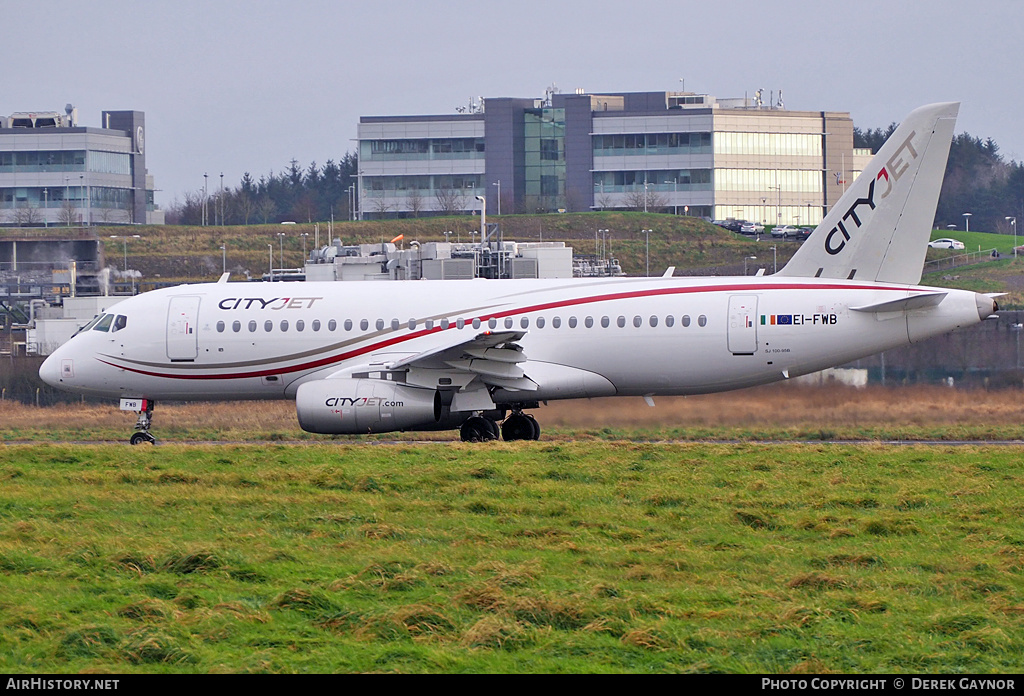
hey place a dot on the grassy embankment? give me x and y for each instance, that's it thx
(532, 557)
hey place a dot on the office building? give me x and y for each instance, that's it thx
(676, 152)
(54, 172)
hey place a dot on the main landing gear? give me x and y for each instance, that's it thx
(518, 426)
(145, 420)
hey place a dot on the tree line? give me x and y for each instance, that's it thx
(978, 181)
(310, 194)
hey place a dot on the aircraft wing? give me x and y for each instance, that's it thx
(491, 358)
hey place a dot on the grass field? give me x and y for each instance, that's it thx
(522, 557)
(579, 553)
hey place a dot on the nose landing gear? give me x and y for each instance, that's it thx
(145, 409)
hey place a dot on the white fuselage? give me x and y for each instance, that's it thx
(633, 336)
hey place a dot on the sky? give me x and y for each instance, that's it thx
(233, 86)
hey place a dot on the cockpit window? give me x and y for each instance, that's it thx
(120, 322)
(104, 323)
(92, 322)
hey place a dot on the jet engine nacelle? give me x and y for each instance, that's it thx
(357, 406)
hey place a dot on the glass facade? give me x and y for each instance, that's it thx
(768, 144)
(425, 184)
(652, 144)
(57, 196)
(544, 160)
(65, 161)
(422, 149)
(657, 180)
(768, 180)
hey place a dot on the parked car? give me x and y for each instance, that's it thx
(784, 231)
(731, 224)
(751, 228)
(946, 243)
(802, 233)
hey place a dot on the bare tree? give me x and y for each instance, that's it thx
(380, 205)
(414, 201)
(265, 208)
(645, 200)
(26, 216)
(450, 200)
(246, 206)
(604, 200)
(68, 214)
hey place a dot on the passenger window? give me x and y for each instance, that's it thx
(380, 324)
(637, 321)
(686, 320)
(220, 327)
(670, 321)
(316, 324)
(236, 326)
(332, 325)
(120, 322)
(556, 322)
(284, 325)
(104, 323)
(492, 323)
(445, 323)
(460, 322)
(572, 322)
(252, 326)
(621, 322)
(605, 322)
(524, 322)
(589, 322)
(430, 324)
(412, 324)
(508, 322)
(540, 322)
(363, 324)
(476, 323)
(300, 325)
(395, 325)
(702, 320)
(654, 321)
(268, 326)
(348, 324)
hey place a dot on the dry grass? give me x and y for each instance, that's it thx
(773, 407)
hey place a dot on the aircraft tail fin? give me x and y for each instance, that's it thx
(879, 229)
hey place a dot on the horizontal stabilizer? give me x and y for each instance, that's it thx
(904, 304)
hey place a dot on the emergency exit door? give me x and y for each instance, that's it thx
(182, 334)
(742, 324)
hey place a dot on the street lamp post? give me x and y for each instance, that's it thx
(967, 222)
(224, 258)
(647, 245)
(280, 244)
(124, 239)
(745, 263)
(1013, 221)
(498, 184)
(206, 199)
(775, 260)
(271, 248)
(483, 216)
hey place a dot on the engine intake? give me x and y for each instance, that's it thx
(358, 406)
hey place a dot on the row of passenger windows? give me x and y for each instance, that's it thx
(429, 324)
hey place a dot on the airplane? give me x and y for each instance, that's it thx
(477, 354)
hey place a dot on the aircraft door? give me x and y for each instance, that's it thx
(742, 329)
(182, 324)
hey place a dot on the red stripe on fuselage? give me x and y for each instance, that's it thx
(323, 362)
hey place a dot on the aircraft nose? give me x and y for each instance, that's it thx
(49, 371)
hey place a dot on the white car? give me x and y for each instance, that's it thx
(946, 243)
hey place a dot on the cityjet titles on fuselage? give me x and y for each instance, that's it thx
(273, 304)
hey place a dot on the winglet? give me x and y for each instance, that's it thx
(879, 230)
